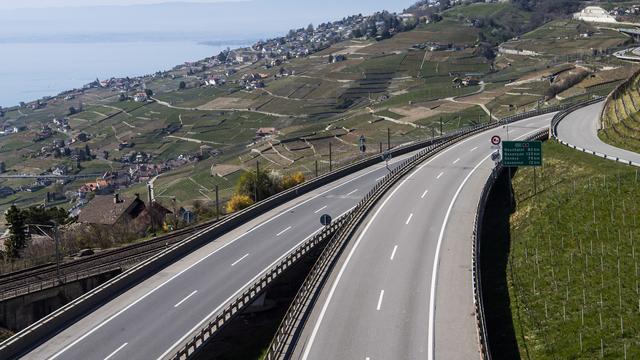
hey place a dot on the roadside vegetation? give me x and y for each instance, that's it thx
(573, 275)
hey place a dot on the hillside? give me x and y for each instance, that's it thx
(414, 84)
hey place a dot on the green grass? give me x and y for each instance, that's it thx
(573, 258)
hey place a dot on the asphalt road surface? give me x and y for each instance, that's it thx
(403, 287)
(580, 128)
(150, 319)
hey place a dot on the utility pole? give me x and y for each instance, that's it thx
(381, 147)
(316, 167)
(441, 133)
(55, 240)
(330, 158)
(257, 180)
(388, 139)
(217, 204)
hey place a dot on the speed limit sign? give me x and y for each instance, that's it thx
(496, 140)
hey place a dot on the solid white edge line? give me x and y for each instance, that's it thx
(380, 300)
(186, 298)
(115, 351)
(316, 327)
(283, 231)
(436, 262)
(409, 219)
(161, 357)
(424, 194)
(109, 319)
(237, 261)
(393, 253)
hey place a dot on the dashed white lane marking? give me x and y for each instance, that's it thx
(440, 175)
(237, 261)
(113, 353)
(283, 231)
(186, 298)
(455, 162)
(474, 149)
(351, 193)
(393, 253)
(380, 300)
(424, 194)
(322, 208)
(409, 219)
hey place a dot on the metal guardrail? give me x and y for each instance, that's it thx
(481, 323)
(285, 338)
(192, 344)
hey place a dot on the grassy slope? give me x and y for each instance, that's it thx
(565, 269)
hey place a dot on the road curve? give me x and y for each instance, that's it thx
(580, 128)
(149, 319)
(403, 287)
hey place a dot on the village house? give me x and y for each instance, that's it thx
(129, 213)
(140, 97)
(265, 132)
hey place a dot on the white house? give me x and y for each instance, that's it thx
(140, 97)
(594, 14)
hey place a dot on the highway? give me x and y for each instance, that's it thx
(149, 319)
(403, 287)
(580, 128)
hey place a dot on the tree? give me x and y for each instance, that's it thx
(72, 110)
(3, 167)
(183, 85)
(149, 92)
(17, 230)
(310, 28)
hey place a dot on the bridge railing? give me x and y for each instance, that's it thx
(476, 275)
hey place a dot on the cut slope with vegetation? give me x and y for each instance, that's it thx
(621, 117)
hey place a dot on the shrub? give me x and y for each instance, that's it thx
(238, 202)
(292, 180)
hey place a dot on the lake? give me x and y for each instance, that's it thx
(29, 71)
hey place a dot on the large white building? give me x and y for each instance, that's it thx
(594, 14)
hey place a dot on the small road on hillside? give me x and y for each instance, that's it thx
(164, 103)
(580, 128)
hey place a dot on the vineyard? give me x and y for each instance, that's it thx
(573, 272)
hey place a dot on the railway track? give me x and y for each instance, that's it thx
(45, 275)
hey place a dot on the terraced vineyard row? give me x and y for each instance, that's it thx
(621, 117)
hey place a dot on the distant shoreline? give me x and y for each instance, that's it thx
(72, 65)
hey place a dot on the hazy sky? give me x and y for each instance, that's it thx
(86, 20)
(13, 4)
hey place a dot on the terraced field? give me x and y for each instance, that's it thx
(621, 117)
